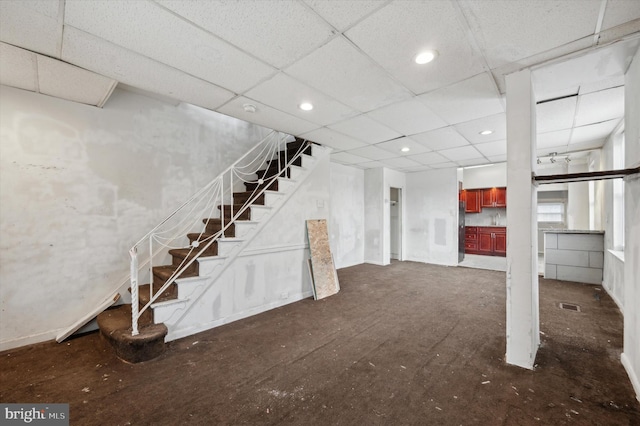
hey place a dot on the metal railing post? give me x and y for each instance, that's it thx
(134, 290)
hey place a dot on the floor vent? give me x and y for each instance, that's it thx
(570, 307)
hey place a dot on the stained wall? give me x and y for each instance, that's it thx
(79, 185)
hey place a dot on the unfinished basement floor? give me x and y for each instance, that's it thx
(405, 344)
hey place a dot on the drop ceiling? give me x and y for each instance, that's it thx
(353, 60)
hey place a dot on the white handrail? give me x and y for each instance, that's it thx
(268, 145)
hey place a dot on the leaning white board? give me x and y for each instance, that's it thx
(323, 270)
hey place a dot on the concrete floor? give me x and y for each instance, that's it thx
(403, 344)
(494, 263)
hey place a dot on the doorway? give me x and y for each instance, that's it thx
(395, 229)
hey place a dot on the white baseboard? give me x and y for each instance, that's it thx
(188, 331)
(633, 376)
(614, 297)
(30, 340)
(375, 262)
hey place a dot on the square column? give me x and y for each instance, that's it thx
(523, 317)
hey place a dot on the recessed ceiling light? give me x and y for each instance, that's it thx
(306, 106)
(249, 108)
(426, 57)
(405, 149)
(486, 132)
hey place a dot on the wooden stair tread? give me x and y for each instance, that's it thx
(170, 293)
(165, 271)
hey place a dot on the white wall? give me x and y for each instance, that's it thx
(346, 229)
(485, 177)
(631, 354)
(79, 185)
(432, 217)
(613, 272)
(271, 272)
(578, 200)
(392, 179)
(373, 216)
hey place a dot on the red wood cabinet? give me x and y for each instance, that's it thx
(494, 197)
(492, 241)
(471, 239)
(471, 198)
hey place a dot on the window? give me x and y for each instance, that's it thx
(618, 194)
(551, 212)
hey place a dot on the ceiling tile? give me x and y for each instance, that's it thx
(620, 11)
(342, 14)
(470, 99)
(429, 158)
(334, 139)
(97, 55)
(492, 148)
(401, 162)
(471, 129)
(63, 80)
(371, 165)
(169, 40)
(593, 131)
(395, 146)
(551, 139)
(560, 149)
(373, 153)
(420, 25)
(267, 116)
(286, 94)
(408, 117)
(293, 30)
(590, 68)
(32, 25)
(460, 153)
(18, 68)
(346, 158)
(555, 115)
(600, 106)
(473, 162)
(446, 165)
(341, 71)
(509, 30)
(497, 158)
(591, 144)
(365, 129)
(416, 169)
(607, 83)
(446, 137)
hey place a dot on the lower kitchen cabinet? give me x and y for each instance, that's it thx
(492, 241)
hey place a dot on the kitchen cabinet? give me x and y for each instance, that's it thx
(494, 197)
(471, 239)
(471, 197)
(492, 241)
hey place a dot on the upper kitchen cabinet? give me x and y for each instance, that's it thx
(494, 197)
(471, 197)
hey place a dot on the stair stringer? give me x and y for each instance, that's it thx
(214, 297)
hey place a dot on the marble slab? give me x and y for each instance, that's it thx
(323, 270)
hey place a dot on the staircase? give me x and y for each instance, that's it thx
(138, 331)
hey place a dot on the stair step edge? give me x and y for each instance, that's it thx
(231, 240)
(168, 303)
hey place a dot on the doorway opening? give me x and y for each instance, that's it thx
(395, 229)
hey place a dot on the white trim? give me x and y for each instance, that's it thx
(30, 340)
(633, 377)
(274, 249)
(614, 297)
(375, 262)
(185, 332)
(617, 253)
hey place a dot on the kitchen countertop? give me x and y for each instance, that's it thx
(570, 231)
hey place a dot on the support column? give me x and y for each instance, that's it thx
(523, 322)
